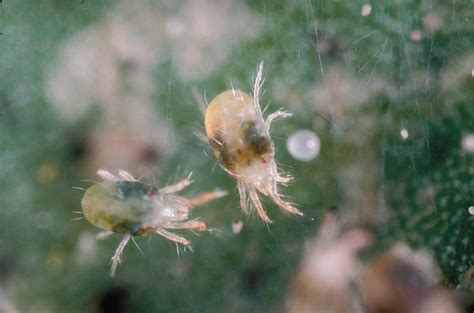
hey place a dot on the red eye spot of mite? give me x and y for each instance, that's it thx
(153, 194)
(264, 161)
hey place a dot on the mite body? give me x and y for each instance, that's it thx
(126, 205)
(241, 141)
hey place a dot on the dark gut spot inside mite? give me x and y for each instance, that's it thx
(255, 145)
(127, 227)
(226, 157)
(135, 189)
(253, 138)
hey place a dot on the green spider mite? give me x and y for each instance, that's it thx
(123, 204)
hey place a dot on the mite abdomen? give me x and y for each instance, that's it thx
(106, 206)
(235, 130)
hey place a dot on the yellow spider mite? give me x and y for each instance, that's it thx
(241, 141)
(123, 204)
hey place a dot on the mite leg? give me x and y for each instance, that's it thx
(200, 226)
(283, 179)
(206, 197)
(278, 178)
(104, 234)
(243, 196)
(126, 175)
(200, 100)
(274, 116)
(176, 187)
(106, 175)
(286, 206)
(117, 258)
(282, 203)
(173, 237)
(257, 86)
(258, 205)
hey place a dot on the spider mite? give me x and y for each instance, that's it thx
(123, 204)
(240, 137)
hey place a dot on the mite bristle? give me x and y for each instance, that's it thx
(200, 100)
(215, 231)
(79, 188)
(89, 181)
(138, 247)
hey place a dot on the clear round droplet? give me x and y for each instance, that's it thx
(467, 143)
(404, 134)
(366, 10)
(303, 145)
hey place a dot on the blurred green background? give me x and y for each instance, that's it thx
(388, 88)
